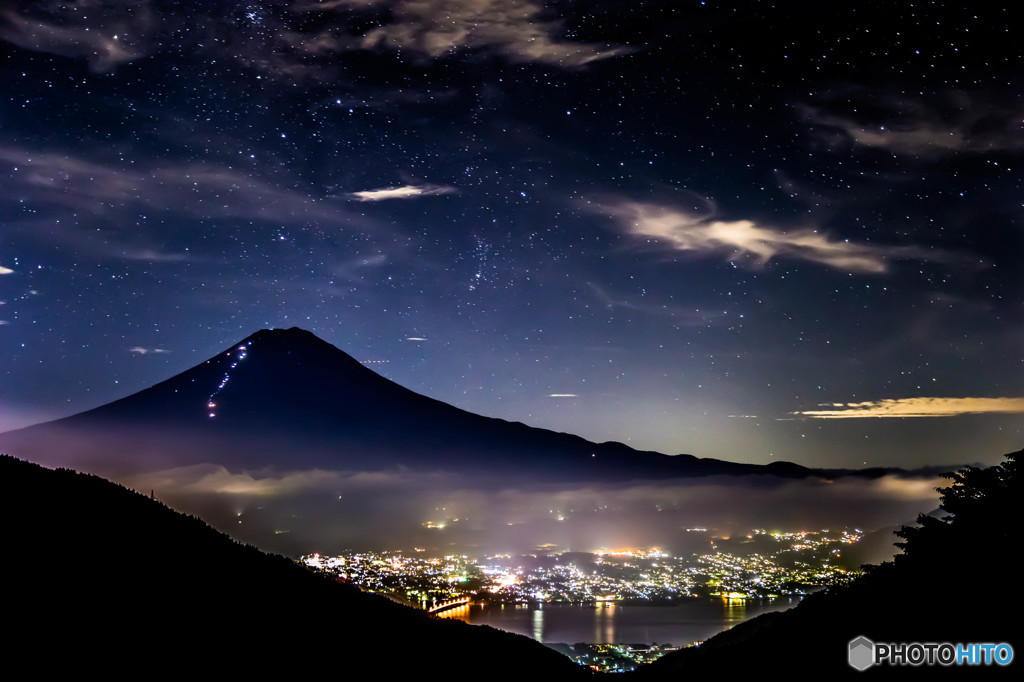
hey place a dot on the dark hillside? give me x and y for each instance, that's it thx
(957, 581)
(98, 577)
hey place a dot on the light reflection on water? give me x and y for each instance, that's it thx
(608, 623)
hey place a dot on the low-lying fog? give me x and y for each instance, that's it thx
(329, 511)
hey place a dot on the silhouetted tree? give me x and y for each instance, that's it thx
(980, 511)
(951, 584)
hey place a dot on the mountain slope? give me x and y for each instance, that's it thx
(285, 398)
(955, 582)
(98, 577)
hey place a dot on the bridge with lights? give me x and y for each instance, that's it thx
(448, 605)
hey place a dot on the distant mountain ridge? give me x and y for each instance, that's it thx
(284, 398)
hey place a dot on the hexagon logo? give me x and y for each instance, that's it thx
(862, 653)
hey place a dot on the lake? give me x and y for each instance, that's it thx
(608, 623)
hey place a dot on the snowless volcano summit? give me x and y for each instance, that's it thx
(284, 399)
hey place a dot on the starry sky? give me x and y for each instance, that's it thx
(754, 231)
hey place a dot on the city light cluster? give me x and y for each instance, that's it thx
(777, 564)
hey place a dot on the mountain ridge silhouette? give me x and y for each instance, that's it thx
(284, 398)
(111, 581)
(953, 582)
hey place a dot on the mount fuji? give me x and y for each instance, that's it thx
(285, 399)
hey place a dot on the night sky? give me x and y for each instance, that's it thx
(739, 230)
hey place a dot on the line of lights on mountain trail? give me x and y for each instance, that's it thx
(211, 404)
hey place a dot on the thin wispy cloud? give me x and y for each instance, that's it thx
(278, 41)
(145, 351)
(434, 28)
(680, 314)
(916, 407)
(192, 188)
(324, 5)
(747, 242)
(359, 270)
(106, 34)
(404, 192)
(154, 256)
(953, 122)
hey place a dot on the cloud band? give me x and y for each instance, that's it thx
(405, 192)
(918, 407)
(745, 239)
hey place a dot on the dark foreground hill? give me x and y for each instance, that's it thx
(285, 399)
(958, 581)
(99, 578)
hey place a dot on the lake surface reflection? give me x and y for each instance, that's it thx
(608, 623)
